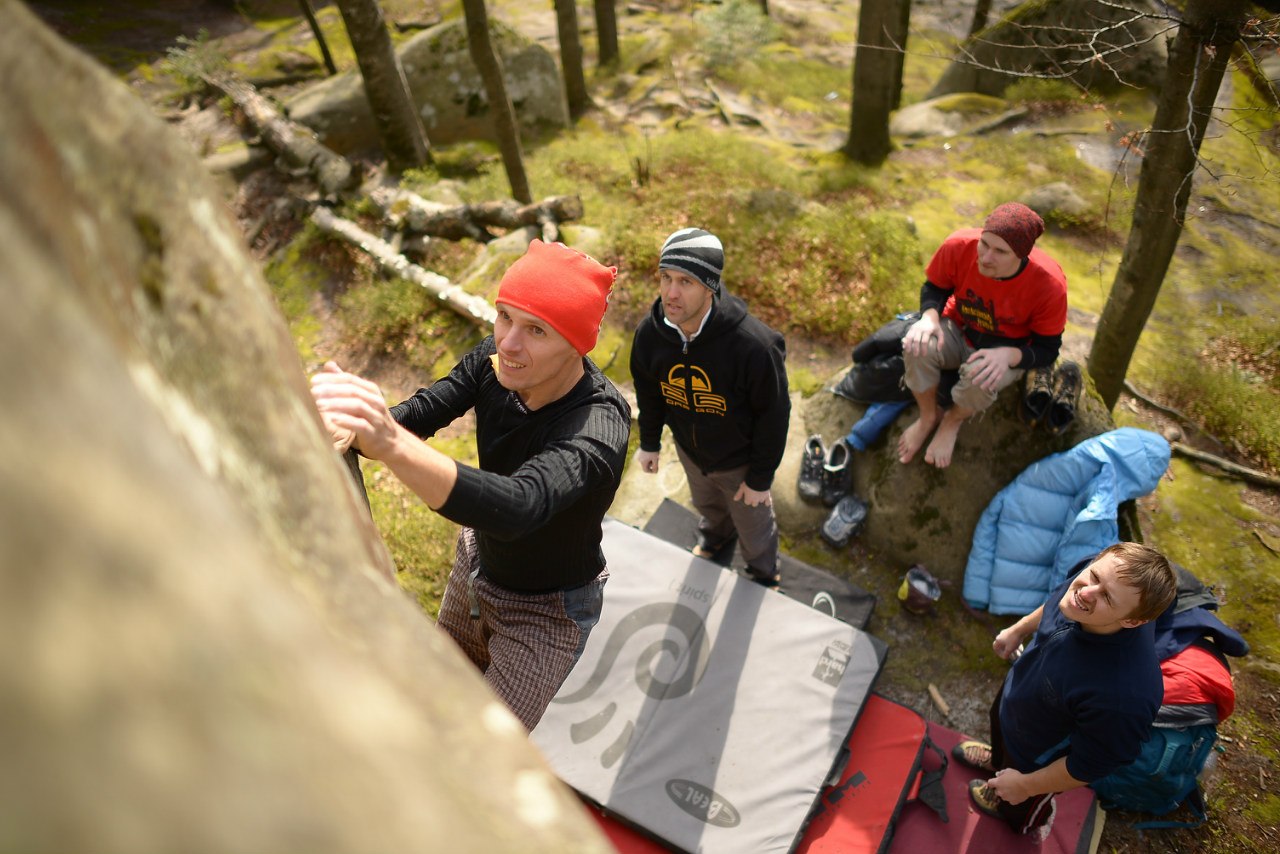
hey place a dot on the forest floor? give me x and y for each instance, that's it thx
(1241, 787)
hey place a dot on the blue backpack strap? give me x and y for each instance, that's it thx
(1193, 802)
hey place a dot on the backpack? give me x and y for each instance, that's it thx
(877, 370)
(1164, 776)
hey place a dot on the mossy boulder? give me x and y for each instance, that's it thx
(447, 89)
(918, 513)
(1098, 45)
(947, 115)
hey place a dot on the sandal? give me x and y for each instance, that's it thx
(761, 577)
(710, 549)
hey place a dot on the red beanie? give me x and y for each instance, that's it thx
(1017, 224)
(567, 289)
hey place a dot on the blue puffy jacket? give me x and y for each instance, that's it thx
(1059, 511)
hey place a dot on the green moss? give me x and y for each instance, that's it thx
(420, 541)
(297, 281)
(803, 381)
(971, 104)
(1200, 520)
(924, 515)
(1266, 810)
(783, 76)
(1035, 90)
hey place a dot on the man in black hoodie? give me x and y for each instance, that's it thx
(716, 376)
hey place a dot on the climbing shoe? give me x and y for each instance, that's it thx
(1037, 395)
(975, 754)
(1066, 397)
(837, 472)
(844, 521)
(984, 799)
(815, 456)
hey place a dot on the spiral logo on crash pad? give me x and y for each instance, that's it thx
(689, 647)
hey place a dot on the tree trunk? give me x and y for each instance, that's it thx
(606, 32)
(575, 82)
(900, 54)
(403, 138)
(473, 308)
(319, 35)
(297, 146)
(877, 78)
(764, 7)
(415, 215)
(504, 118)
(981, 11)
(1197, 60)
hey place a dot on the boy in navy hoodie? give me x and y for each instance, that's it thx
(1079, 702)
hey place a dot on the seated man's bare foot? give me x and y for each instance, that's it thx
(943, 444)
(913, 438)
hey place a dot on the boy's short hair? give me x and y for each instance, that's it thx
(1145, 569)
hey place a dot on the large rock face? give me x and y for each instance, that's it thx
(446, 87)
(1095, 44)
(201, 648)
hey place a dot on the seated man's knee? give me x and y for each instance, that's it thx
(969, 396)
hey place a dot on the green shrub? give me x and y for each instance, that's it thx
(732, 31)
(191, 60)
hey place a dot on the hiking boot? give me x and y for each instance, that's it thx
(845, 521)
(1037, 396)
(810, 484)
(984, 799)
(975, 754)
(837, 472)
(1066, 397)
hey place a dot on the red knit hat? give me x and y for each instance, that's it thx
(567, 289)
(1017, 224)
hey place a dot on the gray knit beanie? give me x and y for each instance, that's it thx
(696, 252)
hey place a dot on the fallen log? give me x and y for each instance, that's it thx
(473, 308)
(298, 147)
(1251, 475)
(413, 214)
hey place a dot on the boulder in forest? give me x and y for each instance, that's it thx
(1098, 45)
(918, 513)
(446, 87)
(948, 115)
(202, 648)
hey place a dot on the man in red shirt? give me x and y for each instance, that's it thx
(993, 306)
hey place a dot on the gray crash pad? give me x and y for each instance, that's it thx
(706, 710)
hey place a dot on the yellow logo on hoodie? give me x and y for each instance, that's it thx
(686, 380)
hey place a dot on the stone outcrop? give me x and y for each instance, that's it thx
(1095, 44)
(917, 513)
(201, 647)
(446, 87)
